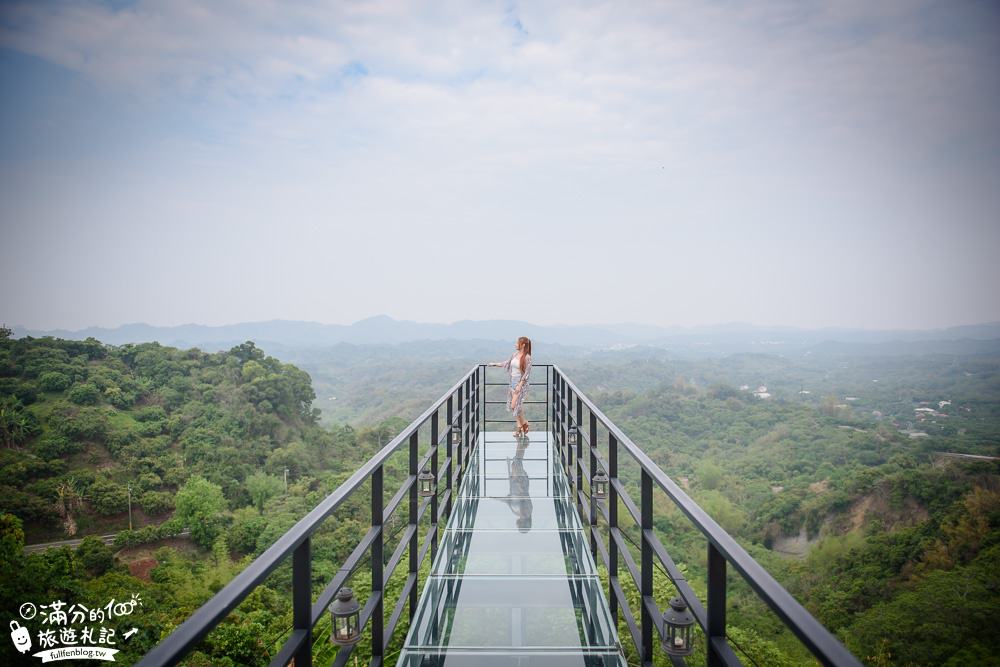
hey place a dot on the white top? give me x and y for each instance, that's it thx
(515, 364)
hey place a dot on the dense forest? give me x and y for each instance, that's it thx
(834, 481)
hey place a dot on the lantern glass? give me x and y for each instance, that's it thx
(426, 480)
(599, 485)
(456, 436)
(677, 625)
(346, 617)
(572, 435)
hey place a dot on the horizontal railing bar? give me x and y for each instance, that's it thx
(443, 504)
(400, 549)
(522, 402)
(398, 552)
(811, 632)
(443, 468)
(677, 578)
(343, 574)
(615, 533)
(627, 499)
(425, 461)
(657, 616)
(626, 555)
(288, 649)
(620, 594)
(411, 580)
(344, 653)
(626, 611)
(398, 497)
(725, 652)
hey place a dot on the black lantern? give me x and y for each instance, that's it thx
(426, 480)
(456, 435)
(572, 436)
(346, 618)
(599, 485)
(677, 624)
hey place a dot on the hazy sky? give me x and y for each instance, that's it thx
(675, 163)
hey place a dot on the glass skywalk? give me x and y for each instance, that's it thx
(513, 582)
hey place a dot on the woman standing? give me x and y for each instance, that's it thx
(519, 368)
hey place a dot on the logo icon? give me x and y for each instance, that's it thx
(20, 636)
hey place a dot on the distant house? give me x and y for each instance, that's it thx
(762, 392)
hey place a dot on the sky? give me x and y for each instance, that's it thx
(672, 163)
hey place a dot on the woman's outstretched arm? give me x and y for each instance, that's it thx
(501, 364)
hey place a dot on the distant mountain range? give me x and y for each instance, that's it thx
(382, 329)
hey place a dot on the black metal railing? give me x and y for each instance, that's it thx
(568, 404)
(463, 408)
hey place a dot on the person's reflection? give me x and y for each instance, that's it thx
(518, 499)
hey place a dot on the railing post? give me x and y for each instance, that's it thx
(716, 603)
(378, 585)
(646, 567)
(467, 431)
(593, 469)
(302, 599)
(449, 455)
(554, 403)
(548, 397)
(414, 537)
(434, 471)
(568, 450)
(458, 452)
(612, 522)
(579, 452)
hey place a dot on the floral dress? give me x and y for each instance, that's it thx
(518, 380)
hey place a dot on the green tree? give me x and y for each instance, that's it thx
(201, 506)
(95, 555)
(263, 487)
(85, 393)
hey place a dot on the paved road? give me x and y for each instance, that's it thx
(107, 539)
(973, 457)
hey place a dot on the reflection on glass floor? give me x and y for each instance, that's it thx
(514, 582)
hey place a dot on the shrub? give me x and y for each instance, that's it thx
(53, 381)
(156, 502)
(85, 393)
(108, 497)
(95, 555)
(55, 446)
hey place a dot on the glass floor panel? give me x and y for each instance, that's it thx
(512, 612)
(487, 658)
(505, 467)
(515, 513)
(535, 552)
(514, 582)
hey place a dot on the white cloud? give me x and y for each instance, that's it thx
(785, 125)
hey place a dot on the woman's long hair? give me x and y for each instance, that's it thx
(526, 350)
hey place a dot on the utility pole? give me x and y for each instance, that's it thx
(286, 479)
(130, 505)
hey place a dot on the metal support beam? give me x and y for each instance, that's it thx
(378, 585)
(302, 600)
(716, 604)
(646, 570)
(414, 536)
